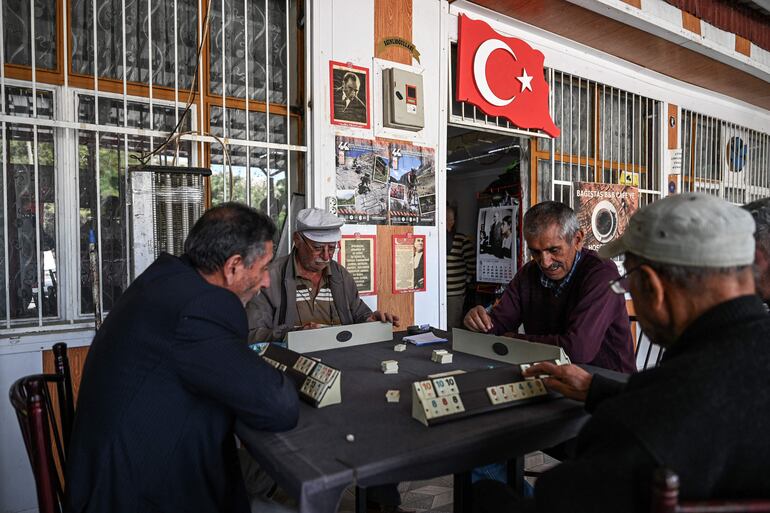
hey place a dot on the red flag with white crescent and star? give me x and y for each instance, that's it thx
(502, 76)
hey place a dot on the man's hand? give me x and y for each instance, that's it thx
(384, 317)
(313, 325)
(477, 319)
(569, 380)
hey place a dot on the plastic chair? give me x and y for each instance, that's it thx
(46, 438)
(665, 499)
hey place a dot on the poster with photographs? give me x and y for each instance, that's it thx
(358, 255)
(603, 210)
(495, 246)
(412, 168)
(408, 263)
(349, 94)
(362, 181)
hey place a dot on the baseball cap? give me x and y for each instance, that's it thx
(319, 225)
(692, 229)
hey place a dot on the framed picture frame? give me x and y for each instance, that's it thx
(350, 98)
(358, 254)
(408, 263)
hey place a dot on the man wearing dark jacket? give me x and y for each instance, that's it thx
(170, 371)
(703, 411)
(561, 296)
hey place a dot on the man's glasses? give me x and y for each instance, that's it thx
(620, 285)
(319, 248)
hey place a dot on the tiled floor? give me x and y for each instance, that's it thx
(435, 495)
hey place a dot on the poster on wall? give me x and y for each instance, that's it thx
(603, 210)
(412, 168)
(495, 245)
(408, 263)
(362, 181)
(383, 182)
(358, 255)
(349, 94)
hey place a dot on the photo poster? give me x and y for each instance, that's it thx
(412, 168)
(358, 255)
(385, 182)
(408, 263)
(603, 210)
(495, 244)
(349, 86)
(362, 180)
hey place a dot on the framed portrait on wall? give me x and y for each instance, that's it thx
(358, 255)
(350, 98)
(408, 263)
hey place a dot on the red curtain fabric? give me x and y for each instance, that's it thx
(731, 17)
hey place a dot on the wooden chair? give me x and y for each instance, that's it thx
(665, 499)
(46, 433)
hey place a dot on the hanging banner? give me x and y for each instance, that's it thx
(408, 263)
(358, 255)
(603, 211)
(502, 76)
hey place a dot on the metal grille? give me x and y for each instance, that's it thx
(724, 159)
(94, 85)
(607, 136)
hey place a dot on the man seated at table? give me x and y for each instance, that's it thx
(760, 211)
(561, 296)
(169, 372)
(308, 289)
(703, 412)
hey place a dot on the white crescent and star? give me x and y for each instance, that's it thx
(480, 72)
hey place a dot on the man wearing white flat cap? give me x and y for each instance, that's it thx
(703, 412)
(308, 288)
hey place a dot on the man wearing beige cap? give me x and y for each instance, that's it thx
(704, 412)
(308, 289)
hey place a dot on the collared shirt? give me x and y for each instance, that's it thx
(315, 305)
(558, 286)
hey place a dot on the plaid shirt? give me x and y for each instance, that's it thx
(559, 286)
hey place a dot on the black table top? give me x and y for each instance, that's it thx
(315, 463)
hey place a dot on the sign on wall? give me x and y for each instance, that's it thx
(349, 94)
(603, 211)
(381, 182)
(358, 254)
(502, 76)
(408, 263)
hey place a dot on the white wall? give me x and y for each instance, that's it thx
(348, 36)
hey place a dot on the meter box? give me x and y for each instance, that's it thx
(403, 100)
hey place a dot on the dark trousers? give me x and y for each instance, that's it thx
(495, 497)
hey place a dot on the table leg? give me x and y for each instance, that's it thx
(516, 475)
(360, 499)
(462, 493)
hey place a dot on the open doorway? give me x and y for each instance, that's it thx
(487, 173)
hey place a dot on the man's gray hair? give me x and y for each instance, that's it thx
(541, 216)
(760, 211)
(685, 277)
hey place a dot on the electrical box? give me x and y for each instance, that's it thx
(403, 100)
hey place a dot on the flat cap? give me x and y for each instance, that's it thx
(319, 225)
(692, 230)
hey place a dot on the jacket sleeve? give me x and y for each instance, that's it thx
(613, 472)
(212, 359)
(601, 389)
(588, 322)
(260, 313)
(506, 315)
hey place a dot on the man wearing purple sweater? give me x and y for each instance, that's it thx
(561, 296)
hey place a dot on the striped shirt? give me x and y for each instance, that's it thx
(315, 306)
(460, 265)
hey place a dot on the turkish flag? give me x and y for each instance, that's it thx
(502, 76)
